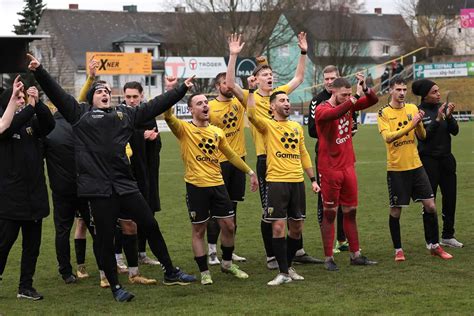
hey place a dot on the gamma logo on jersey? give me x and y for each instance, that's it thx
(207, 146)
(289, 140)
(230, 120)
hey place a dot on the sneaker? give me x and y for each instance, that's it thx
(237, 258)
(293, 275)
(121, 267)
(272, 264)
(399, 255)
(362, 261)
(69, 279)
(148, 261)
(121, 295)
(438, 251)
(235, 271)
(178, 277)
(30, 294)
(307, 259)
(451, 242)
(281, 278)
(330, 265)
(213, 261)
(206, 278)
(104, 283)
(138, 279)
(82, 272)
(342, 246)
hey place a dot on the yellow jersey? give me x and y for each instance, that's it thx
(229, 116)
(286, 151)
(262, 105)
(402, 153)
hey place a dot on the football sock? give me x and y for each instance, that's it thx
(340, 225)
(350, 228)
(202, 263)
(266, 229)
(80, 248)
(327, 232)
(130, 248)
(280, 251)
(292, 246)
(430, 223)
(394, 224)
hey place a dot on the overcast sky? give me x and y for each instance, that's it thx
(9, 8)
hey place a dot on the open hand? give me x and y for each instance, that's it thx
(302, 43)
(235, 46)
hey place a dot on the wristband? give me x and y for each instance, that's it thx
(357, 96)
(250, 173)
(313, 179)
(303, 52)
(366, 89)
(252, 90)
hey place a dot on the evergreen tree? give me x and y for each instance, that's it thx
(31, 17)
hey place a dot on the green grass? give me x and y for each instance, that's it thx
(421, 285)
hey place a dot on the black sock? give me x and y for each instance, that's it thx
(213, 230)
(202, 263)
(430, 223)
(340, 225)
(394, 224)
(227, 252)
(118, 240)
(141, 241)
(234, 207)
(279, 249)
(293, 246)
(267, 231)
(300, 244)
(80, 248)
(130, 248)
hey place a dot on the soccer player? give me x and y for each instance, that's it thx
(287, 158)
(227, 113)
(336, 164)
(104, 174)
(398, 122)
(206, 195)
(435, 152)
(23, 195)
(264, 75)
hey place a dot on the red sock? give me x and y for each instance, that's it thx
(350, 228)
(327, 232)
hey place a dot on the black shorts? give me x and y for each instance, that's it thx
(286, 200)
(405, 184)
(206, 202)
(234, 180)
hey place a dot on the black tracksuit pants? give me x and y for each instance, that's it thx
(105, 212)
(442, 172)
(31, 232)
(65, 207)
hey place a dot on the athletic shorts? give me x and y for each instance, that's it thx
(286, 200)
(234, 180)
(405, 184)
(338, 187)
(206, 202)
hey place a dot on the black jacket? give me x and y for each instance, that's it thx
(23, 194)
(438, 134)
(100, 137)
(59, 152)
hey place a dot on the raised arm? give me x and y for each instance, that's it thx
(66, 103)
(93, 65)
(7, 116)
(259, 124)
(44, 121)
(324, 113)
(175, 124)
(453, 127)
(300, 68)
(368, 96)
(235, 47)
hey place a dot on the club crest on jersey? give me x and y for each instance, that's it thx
(216, 137)
(270, 210)
(234, 106)
(29, 130)
(120, 115)
(410, 117)
(193, 215)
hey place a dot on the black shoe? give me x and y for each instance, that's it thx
(304, 259)
(69, 279)
(122, 295)
(330, 265)
(30, 294)
(362, 261)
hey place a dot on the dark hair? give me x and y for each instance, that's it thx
(341, 83)
(275, 94)
(133, 85)
(397, 80)
(191, 97)
(219, 77)
(260, 68)
(330, 68)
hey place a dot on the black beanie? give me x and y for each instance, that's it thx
(95, 86)
(422, 87)
(5, 98)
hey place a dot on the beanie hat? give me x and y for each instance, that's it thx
(95, 86)
(422, 87)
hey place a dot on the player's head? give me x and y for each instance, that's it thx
(428, 90)
(330, 73)
(341, 90)
(198, 106)
(264, 74)
(398, 90)
(5, 97)
(99, 94)
(133, 93)
(280, 105)
(221, 86)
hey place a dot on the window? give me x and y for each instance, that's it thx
(151, 51)
(150, 81)
(354, 49)
(138, 49)
(161, 51)
(284, 50)
(385, 50)
(116, 81)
